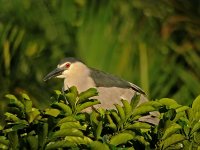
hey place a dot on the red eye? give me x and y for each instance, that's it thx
(67, 65)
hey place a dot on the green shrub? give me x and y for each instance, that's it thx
(64, 125)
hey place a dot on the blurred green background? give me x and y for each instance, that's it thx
(154, 44)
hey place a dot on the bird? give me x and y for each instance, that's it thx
(111, 89)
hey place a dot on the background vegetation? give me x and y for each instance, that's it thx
(154, 44)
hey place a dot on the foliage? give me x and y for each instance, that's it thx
(132, 39)
(65, 125)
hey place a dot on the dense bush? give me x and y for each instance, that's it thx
(64, 125)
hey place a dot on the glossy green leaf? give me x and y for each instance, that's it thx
(111, 123)
(96, 145)
(73, 90)
(196, 108)
(120, 111)
(94, 116)
(83, 96)
(138, 125)
(141, 139)
(4, 141)
(70, 125)
(116, 117)
(142, 110)
(121, 138)
(71, 98)
(169, 102)
(34, 114)
(14, 101)
(27, 103)
(52, 112)
(85, 105)
(127, 108)
(13, 140)
(172, 129)
(59, 144)
(99, 130)
(66, 119)
(79, 140)
(182, 108)
(42, 132)
(173, 139)
(196, 127)
(67, 132)
(154, 104)
(12, 117)
(135, 100)
(33, 142)
(63, 107)
(15, 128)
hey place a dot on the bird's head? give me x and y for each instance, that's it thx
(68, 66)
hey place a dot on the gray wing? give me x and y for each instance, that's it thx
(103, 79)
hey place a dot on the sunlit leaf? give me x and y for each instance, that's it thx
(121, 138)
(96, 145)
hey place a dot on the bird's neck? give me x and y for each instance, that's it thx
(79, 77)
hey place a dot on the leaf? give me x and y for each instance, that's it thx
(120, 111)
(27, 103)
(111, 123)
(33, 115)
(83, 96)
(138, 125)
(33, 142)
(96, 145)
(127, 108)
(94, 116)
(73, 90)
(135, 100)
(42, 131)
(196, 127)
(121, 138)
(67, 132)
(63, 107)
(99, 130)
(196, 108)
(66, 119)
(182, 108)
(79, 140)
(70, 125)
(57, 94)
(71, 98)
(12, 117)
(116, 117)
(173, 139)
(172, 129)
(4, 141)
(52, 112)
(59, 144)
(14, 141)
(170, 114)
(25, 96)
(141, 140)
(143, 109)
(85, 105)
(15, 102)
(154, 104)
(170, 103)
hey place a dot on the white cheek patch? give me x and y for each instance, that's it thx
(60, 76)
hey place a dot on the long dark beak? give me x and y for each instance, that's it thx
(54, 73)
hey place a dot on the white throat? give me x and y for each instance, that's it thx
(78, 75)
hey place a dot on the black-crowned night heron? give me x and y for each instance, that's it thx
(111, 89)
